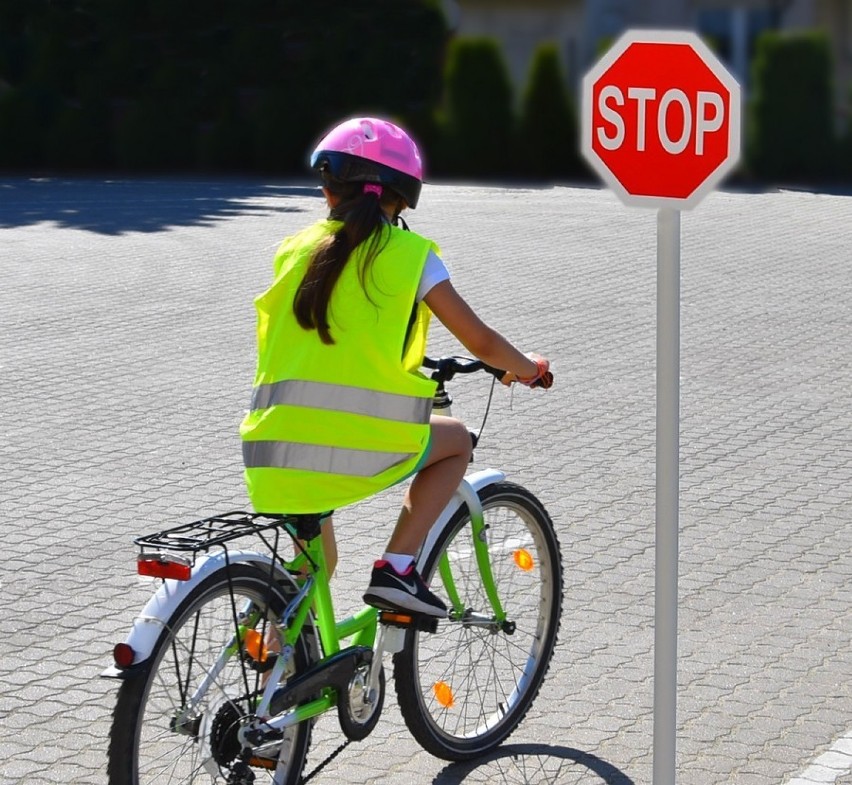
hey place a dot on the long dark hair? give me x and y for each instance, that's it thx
(363, 221)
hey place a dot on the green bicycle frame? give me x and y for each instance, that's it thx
(479, 537)
(362, 627)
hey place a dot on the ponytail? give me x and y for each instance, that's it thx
(360, 210)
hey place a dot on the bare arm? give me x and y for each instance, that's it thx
(476, 336)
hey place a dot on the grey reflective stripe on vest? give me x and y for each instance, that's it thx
(318, 458)
(342, 398)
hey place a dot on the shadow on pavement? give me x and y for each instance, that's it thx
(531, 764)
(117, 206)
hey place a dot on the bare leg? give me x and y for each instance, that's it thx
(434, 484)
(329, 545)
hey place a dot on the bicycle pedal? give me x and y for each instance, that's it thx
(418, 621)
(262, 763)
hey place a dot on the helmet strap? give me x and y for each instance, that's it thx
(398, 219)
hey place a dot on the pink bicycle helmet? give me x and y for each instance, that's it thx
(371, 150)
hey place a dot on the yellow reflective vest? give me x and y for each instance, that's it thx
(331, 424)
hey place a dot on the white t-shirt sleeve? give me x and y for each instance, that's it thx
(434, 271)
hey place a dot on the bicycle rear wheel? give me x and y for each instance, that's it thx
(464, 689)
(157, 737)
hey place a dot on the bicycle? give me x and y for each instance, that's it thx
(238, 652)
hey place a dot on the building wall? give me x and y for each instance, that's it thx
(520, 26)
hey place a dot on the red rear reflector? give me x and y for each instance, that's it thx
(164, 565)
(123, 655)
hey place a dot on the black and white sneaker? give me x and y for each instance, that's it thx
(392, 591)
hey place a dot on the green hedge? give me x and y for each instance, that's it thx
(845, 147)
(549, 129)
(478, 127)
(215, 84)
(789, 129)
(212, 84)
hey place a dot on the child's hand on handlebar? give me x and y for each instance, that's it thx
(542, 378)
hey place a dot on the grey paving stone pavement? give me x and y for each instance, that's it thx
(126, 358)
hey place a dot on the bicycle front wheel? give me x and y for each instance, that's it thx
(178, 720)
(464, 690)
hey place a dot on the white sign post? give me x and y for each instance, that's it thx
(661, 126)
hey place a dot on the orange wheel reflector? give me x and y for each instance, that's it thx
(523, 559)
(444, 694)
(254, 647)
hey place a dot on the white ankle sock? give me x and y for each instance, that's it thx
(399, 561)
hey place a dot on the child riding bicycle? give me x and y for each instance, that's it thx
(340, 410)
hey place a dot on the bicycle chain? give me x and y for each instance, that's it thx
(325, 763)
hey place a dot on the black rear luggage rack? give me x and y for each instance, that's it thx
(216, 530)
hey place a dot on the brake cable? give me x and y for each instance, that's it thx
(487, 408)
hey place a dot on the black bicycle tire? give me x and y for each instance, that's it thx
(410, 693)
(134, 691)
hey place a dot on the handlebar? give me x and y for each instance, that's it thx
(445, 368)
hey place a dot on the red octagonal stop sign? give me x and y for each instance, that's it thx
(661, 119)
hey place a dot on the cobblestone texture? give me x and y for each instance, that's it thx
(126, 358)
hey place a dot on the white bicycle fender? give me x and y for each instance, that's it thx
(166, 600)
(467, 494)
